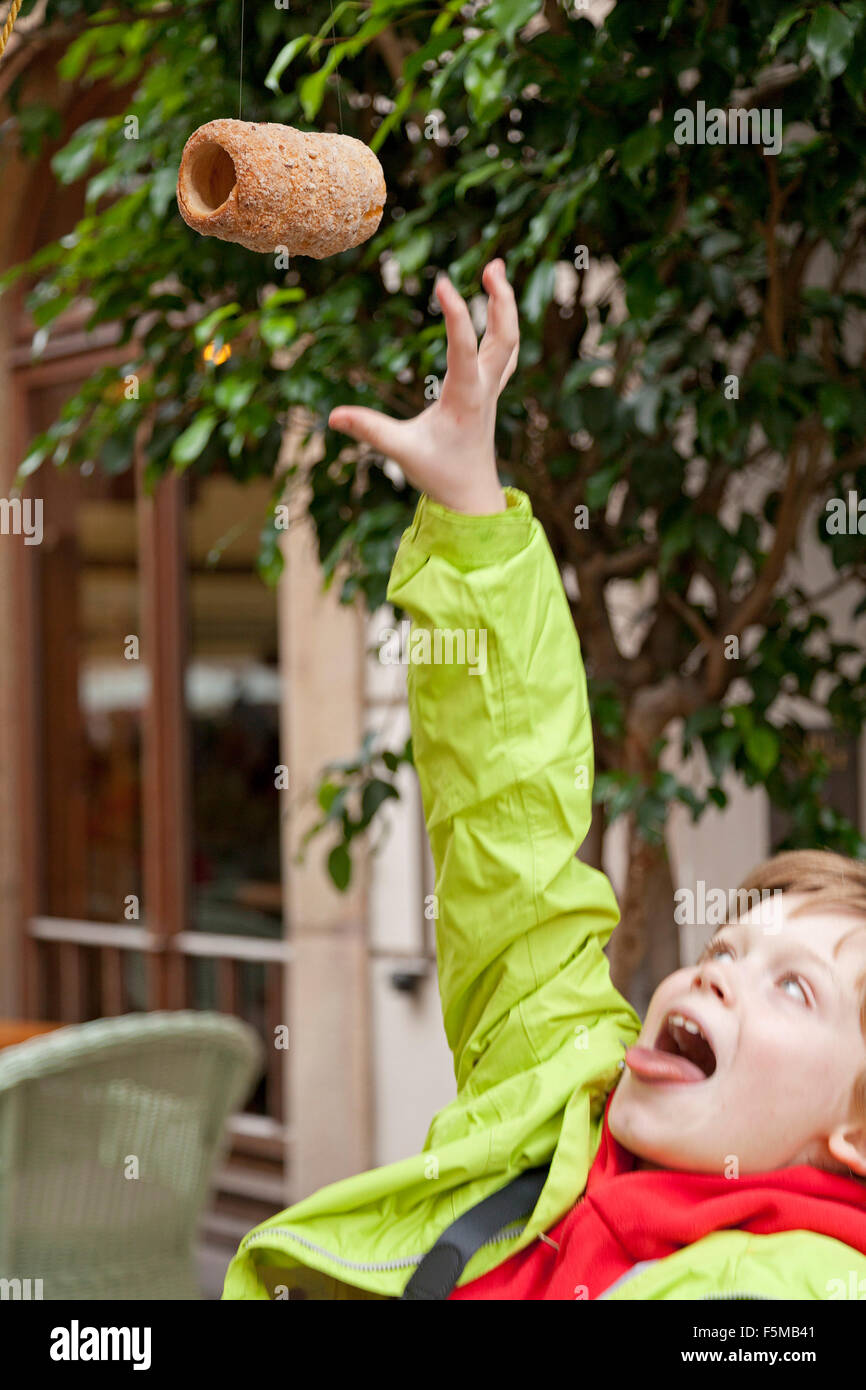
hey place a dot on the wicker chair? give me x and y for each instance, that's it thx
(109, 1136)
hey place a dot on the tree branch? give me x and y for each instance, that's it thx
(627, 563)
(752, 605)
(858, 573)
(706, 637)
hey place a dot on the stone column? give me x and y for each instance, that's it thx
(10, 647)
(329, 1102)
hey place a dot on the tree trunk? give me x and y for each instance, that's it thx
(645, 946)
(591, 849)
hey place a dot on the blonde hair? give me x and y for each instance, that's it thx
(829, 881)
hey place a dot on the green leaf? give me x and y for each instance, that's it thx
(311, 92)
(510, 15)
(676, 538)
(688, 798)
(282, 60)
(830, 41)
(289, 296)
(579, 373)
(38, 452)
(538, 292)
(644, 291)
(117, 453)
(414, 253)
(204, 329)
(43, 313)
(483, 173)
(73, 161)
(720, 751)
(618, 791)
(484, 80)
(762, 749)
(278, 330)
(163, 188)
(374, 794)
(743, 717)
(598, 485)
(270, 562)
(340, 867)
(232, 392)
(401, 105)
(190, 444)
(781, 27)
(639, 149)
(74, 59)
(325, 795)
(834, 403)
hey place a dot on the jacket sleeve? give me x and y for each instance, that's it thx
(503, 749)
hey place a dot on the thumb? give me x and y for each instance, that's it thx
(368, 427)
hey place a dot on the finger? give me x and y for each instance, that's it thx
(369, 427)
(462, 358)
(509, 370)
(502, 338)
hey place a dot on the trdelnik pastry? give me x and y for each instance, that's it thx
(267, 186)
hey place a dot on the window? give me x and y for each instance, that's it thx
(154, 862)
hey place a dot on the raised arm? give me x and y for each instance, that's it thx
(502, 738)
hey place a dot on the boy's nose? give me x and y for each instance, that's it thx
(710, 976)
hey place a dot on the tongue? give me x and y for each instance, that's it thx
(651, 1065)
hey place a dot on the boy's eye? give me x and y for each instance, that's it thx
(798, 990)
(718, 949)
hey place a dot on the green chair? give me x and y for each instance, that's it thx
(109, 1136)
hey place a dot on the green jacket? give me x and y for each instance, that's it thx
(503, 749)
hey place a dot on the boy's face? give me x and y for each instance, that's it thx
(777, 1000)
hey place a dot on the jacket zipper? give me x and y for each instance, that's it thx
(354, 1264)
(761, 1297)
(415, 1259)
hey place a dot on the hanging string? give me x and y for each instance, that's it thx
(336, 69)
(13, 15)
(241, 74)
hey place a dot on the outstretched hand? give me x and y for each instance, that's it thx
(448, 450)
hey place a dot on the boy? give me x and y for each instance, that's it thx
(718, 1151)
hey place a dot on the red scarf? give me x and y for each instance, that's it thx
(626, 1215)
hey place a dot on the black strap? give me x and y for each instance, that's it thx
(438, 1271)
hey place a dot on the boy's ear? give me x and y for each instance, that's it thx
(847, 1144)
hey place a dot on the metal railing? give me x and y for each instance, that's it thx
(82, 972)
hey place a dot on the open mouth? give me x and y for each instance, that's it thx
(682, 1037)
(682, 1053)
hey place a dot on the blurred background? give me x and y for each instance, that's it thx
(189, 685)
